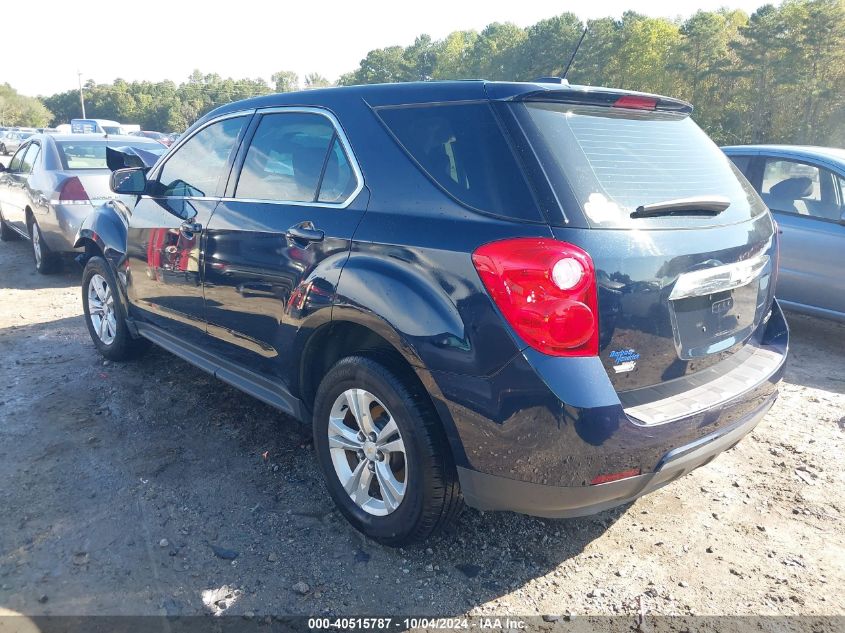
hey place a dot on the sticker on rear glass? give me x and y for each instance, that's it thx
(601, 210)
(625, 360)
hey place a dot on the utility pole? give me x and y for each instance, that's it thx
(81, 98)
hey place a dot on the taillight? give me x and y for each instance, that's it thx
(73, 192)
(775, 269)
(634, 102)
(546, 290)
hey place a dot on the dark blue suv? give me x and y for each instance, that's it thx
(529, 296)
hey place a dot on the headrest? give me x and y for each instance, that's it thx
(793, 188)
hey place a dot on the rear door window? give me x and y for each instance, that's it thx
(295, 157)
(800, 188)
(609, 161)
(28, 162)
(743, 164)
(462, 148)
(198, 167)
(15, 165)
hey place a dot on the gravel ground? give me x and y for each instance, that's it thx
(151, 488)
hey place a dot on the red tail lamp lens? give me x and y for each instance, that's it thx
(546, 290)
(73, 192)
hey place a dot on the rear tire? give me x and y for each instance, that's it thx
(104, 314)
(46, 261)
(408, 460)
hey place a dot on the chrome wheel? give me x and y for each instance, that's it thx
(36, 245)
(101, 309)
(367, 452)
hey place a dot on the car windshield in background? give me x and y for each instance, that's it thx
(92, 154)
(613, 161)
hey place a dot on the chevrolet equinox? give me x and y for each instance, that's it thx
(534, 297)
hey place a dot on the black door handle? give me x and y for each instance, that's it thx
(305, 232)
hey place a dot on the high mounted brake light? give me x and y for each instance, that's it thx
(579, 96)
(634, 102)
(546, 290)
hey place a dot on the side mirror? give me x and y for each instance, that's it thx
(842, 217)
(129, 181)
(2, 167)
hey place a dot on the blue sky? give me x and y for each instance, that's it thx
(167, 39)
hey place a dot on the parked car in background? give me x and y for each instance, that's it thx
(805, 189)
(161, 137)
(52, 182)
(102, 126)
(11, 141)
(513, 292)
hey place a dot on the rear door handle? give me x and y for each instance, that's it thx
(305, 232)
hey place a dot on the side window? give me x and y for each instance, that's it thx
(461, 147)
(15, 165)
(841, 182)
(289, 157)
(29, 158)
(339, 179)
(800, 188)
(742, 163)
(196, 168)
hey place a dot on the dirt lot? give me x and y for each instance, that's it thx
(141, 489)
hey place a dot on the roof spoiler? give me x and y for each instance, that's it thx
(607, 99)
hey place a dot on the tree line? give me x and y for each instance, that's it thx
(777, 75)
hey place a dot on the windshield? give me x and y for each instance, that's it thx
(92, 154)
(612, 161)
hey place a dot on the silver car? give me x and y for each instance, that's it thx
(52, 182)
(805, 189)
(10, 141)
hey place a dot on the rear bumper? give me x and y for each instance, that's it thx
(535, 435)
(491, 492)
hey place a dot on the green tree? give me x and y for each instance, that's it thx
(548, 46)
(453, 55)
(495, 53)
(316, 80)
(285, 81)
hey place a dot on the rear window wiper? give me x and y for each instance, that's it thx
(694, 205)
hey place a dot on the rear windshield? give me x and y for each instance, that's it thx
(462, 148)
(92, 154)
(607, 162)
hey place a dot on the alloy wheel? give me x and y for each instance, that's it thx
(36, 245)
(101, 309)
(367, 452)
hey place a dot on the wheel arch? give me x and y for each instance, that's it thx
(358, 333)
(104, 229)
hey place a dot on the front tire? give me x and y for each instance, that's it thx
(383, 452)
(46, 261)
(104, 315)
